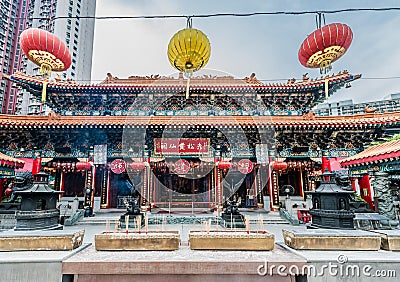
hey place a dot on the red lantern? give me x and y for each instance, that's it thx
(224, 165)
(280, 166)
(83, 166)
(325, 45)
(45, 50)
(8, 192)
(138, 165)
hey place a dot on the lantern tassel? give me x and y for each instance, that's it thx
(326, 87)
(187, 87)
(44, 93)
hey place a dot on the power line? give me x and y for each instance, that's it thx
(318, 12)
(380, 78)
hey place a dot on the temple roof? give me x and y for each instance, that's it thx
(374, 154)
(206, 81)
(351, 122)
(165, 93)
(10, 161)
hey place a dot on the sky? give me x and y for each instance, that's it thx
(266, 45)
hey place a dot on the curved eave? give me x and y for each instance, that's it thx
(277, 122)
(389, 151)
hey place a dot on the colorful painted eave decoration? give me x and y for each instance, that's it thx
(343, 122)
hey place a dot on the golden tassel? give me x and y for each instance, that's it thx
(44, 91)
(187, 88)
(326, 88)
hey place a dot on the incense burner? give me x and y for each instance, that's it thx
(138, 241)
(231, 240)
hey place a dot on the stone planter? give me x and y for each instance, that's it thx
(152, 241)
(231, 240)
(40, 241)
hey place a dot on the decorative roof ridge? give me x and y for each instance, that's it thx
(160, 81)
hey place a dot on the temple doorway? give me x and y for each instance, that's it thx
(172, 190)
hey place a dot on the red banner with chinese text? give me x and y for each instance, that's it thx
(183, 146)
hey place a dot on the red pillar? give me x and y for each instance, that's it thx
(269, 183)
(36, 165)
(108, 188)
(326, 164)
(365, 190)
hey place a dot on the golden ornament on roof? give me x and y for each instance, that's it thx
(189, 50)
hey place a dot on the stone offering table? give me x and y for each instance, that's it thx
(331, 239)
(40, 240)
(135, 241)
(231, 240)
(181, 265)
(390, 239)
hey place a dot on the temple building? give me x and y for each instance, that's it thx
(381, 163)
(225, 137)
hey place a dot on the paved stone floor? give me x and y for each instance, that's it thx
(86, 264)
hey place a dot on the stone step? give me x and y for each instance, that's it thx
(102, 220)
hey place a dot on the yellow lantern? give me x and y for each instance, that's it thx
(188, 51)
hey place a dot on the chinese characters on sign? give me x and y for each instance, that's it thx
(262, 153)
(118, 166)
(184, 146)
(100, 154)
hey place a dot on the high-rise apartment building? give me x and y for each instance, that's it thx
(12, 22)
(61, 17)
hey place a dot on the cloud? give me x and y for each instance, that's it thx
(266, 45)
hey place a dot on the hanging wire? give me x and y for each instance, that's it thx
(189, 22)
(213, 15)
(319, 17)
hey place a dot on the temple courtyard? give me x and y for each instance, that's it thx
(280, 264)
